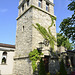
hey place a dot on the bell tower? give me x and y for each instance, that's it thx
(27, 37)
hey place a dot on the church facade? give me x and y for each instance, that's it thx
(14, 59)
(6, 59)
(27, 37)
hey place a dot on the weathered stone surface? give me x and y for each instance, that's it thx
(27, 37)
(54, 66)
(23, 67)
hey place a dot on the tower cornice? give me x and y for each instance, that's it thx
(36, 8)
(25, 1)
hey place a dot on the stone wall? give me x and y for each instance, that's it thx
(61, 49)
(54, 66)
(23, 44)
(23, 67)
(24, 35)
(44, 20)
(35, 3)
(27, 37)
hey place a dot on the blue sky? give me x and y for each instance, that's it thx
(9, 13)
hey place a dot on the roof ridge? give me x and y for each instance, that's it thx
(7, 45)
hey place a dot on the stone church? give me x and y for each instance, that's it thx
(15, 59)
(27, 37)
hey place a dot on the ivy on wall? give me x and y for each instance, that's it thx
(47, 34)
(34, 56)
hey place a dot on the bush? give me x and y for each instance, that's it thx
(42, 68)
(34, 56)
(62, 68)
(48, 73)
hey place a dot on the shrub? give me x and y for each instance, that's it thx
(48, 73)
(62, 68)
(42, 68)
(34, 56)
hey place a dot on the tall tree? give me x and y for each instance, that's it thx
(67, 26)
(63, 41)
(62, 68)
(42, 68)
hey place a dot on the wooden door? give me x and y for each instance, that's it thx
(46, 63)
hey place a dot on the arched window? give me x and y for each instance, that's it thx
(40, 3)
(27, 2)
(23, 7)
(4, 56)
(47, 7)
(22, 28)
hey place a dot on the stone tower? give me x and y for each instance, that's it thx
(27, 37)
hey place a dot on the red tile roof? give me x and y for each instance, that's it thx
(7, 45)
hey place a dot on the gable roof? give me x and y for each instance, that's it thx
(7, 45)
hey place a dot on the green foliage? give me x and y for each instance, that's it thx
(62, 68)
(67, 26)
(42, 68)
(34, 66)
(71, 6)
(47, 34)
(63, 41)
(34, 56)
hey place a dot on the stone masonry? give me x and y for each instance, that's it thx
(27, 37)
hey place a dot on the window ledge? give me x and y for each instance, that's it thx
(3, 64)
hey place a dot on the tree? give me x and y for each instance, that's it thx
(42, 68)
(63, 41)
(62, 68)
(67, 26)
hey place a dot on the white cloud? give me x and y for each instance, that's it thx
(3, 10)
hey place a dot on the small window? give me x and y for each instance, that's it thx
(23, 29)
(4, 56)
(40, 3)
(23, 7)
(47, 7)
(27, 2)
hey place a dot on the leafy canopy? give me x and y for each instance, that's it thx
(67, 26)
(63, 41)
(62, 68)
(42, 68)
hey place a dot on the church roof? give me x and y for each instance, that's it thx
(7, 45)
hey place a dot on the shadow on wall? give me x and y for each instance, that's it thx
(0, 72)
(54, 66)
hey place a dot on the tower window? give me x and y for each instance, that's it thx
(4, 56)
(40, 3)
(47, 7)
(23, 7)
(27, 2)
(23, 28)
